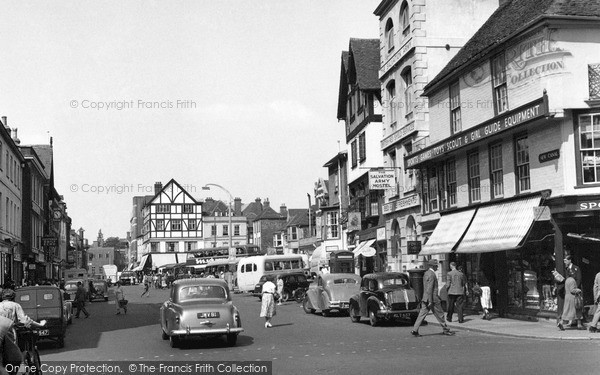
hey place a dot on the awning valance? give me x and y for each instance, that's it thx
(365, 249)
(499, 227)
(140, 266)
(448, 232)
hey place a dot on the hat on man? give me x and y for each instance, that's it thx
(432, 262)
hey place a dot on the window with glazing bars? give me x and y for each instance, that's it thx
(455, 116)
(589, 133)
(474, 176)
(451, 182)
(499, 83)
(433, 189)
(496, 172)
(362, 145)
(354, 154)
(522, 162)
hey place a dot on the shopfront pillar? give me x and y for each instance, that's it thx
(559, 252)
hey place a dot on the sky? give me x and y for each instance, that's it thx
(237, 93)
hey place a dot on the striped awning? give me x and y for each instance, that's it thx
(500, 227)
(448, 232)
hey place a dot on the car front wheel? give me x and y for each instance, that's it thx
(285, 296)
(306, 306)
(373, 317)
(174, 341)
(164, 335)
(354, 313)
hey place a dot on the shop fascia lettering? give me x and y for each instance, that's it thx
(526, 113)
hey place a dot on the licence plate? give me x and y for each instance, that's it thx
(402, 316)
(208, 315)
(43, 332)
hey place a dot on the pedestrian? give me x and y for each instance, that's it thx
(120, 300)
(11, 354)
(456, 282)
(267, 308)
(572, 270)
(80, 300)
(431, 300)
(597, 303)
(146, 286)
(486, 299)
(571, 310)
(279, 288)
(155, 281)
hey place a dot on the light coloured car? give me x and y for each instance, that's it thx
(199, 308)
(331, 292)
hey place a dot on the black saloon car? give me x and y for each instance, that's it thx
(291, 282)
(384, 296)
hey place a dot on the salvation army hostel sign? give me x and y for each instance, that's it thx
(528, 112)
(381, 180)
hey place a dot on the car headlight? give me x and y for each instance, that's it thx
(177, 320)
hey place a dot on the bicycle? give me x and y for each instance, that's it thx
(26, 340)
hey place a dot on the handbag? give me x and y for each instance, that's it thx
(123, 302)
(578, 302)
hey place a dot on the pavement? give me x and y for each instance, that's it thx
(542, 329)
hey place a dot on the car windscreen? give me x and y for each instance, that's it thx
(195, 292)
(344, 280)
(395, 281)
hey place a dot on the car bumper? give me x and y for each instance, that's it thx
(339, 305)
(204, 331)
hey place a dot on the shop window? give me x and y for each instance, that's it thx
(451, 182)
(496, 172)
(474, 176)
(499, 84)
(589, 135)
(522, 164)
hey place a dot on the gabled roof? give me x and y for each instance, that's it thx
(360, 66)
(508, 20)
(297, 217)
(45, 154)
(171, 183)
(269, 214)
(210, 206)
(252, 210)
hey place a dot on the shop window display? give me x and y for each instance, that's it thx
(530, 282)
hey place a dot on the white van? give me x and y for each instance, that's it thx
(250, 269)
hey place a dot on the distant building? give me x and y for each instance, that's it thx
(98, 256)
(267, 229)
(215, 222)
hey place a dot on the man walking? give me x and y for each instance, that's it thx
(80, 301)
(597, 302)
(456, 282)
(572, 270)
(431, 300)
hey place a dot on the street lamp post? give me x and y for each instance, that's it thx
(230, 229)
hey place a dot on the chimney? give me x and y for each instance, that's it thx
(5, 123)
(15, 137)
(267, 204)
(157, 187)
(237, 207)
(283, 211)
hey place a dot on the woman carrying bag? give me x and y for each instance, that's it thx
(573, 308)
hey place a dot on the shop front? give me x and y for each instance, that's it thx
(370, 253)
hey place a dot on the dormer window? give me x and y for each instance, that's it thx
(404, 21)
(389, 35)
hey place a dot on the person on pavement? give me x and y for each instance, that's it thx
(572, 270)
(570, 310)
(120, 299)
(80, 301)
(596, 317)
(267, 308)
(279, 288)
(146, 286)
(431, 300)
(456, 282)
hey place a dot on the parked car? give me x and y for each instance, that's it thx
(199, 308)
(384, 296)
(100, 290)
(331, 292)
(291, 282)
(128, 278)
(71, 287)
(45, 302)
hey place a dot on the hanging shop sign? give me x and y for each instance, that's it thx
(413, 247)
(381, 180)
(531, 111)
(354, 219)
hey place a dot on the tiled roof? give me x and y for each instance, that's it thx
(298, 217)
(45, 154)
(252, 210)
(269, 214)
(209, 207)
(506, 21)
(364, 59)
(360, 65)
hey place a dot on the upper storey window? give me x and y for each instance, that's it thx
(391, 94)
(499, 83)
(408, 93)
(404, 22)
(389, 35)
(455, 116)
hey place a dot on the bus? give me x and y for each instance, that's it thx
(250, 269)
(210, 254)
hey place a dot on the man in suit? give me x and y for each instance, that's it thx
(597, 302)
(431, 300)
(572, 270)
(455, 282)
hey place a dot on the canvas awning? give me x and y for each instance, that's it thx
(448, 232)
(140, 266)
(365, 249)
(500, 227)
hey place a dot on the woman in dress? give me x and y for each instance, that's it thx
(267, 308)
(279, 288)
(120, 296)
(486, 300)
(569, 310)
